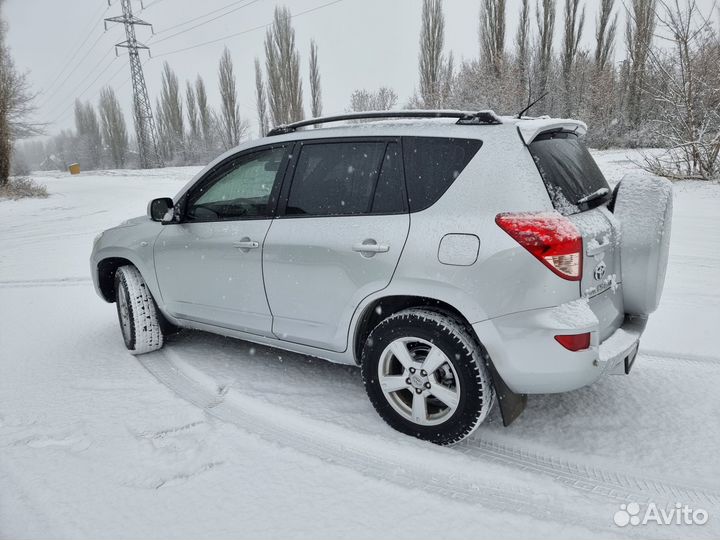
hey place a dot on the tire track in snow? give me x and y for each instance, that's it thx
(320, 439)
(682, 358)
(60, 282)
(614, 485)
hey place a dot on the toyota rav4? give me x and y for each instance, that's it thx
(459, 259)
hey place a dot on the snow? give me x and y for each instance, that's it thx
(573, 315)
(213, 437)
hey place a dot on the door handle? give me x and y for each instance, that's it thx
(370, 247)
(246, 245)
(598, 247)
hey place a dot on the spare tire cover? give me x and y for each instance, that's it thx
(643, 206)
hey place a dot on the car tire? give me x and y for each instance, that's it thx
(140, 320)
(442, 404)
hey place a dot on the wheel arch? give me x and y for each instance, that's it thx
(106, 270)
(511, 404)
(385, 306)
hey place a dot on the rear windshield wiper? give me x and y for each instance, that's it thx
(594, 195)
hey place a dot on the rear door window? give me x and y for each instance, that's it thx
(389, 197)
(347, 178)
(571, 176)
(431, 166)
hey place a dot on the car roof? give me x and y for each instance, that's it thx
(527, 127)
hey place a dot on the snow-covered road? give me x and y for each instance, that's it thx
(212, 437)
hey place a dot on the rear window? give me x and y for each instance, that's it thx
(335, 179)
(431, 166)
(572, 178)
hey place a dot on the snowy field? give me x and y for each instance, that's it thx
(217, 438)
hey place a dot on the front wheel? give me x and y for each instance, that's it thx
(426, 376)
(137, 313)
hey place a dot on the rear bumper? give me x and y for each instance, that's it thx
(523, 349)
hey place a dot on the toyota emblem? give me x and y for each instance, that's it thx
(599, 271)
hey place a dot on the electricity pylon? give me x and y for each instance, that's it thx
(144, 122)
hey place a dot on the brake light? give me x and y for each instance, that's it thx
(552, 238)
(576, 342)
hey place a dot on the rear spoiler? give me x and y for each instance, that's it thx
(530, 129)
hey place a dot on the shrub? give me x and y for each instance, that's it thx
(20, 187)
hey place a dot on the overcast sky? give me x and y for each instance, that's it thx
(362, 44)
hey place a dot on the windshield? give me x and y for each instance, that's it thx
(572, 178)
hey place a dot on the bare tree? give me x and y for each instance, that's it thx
(193, 120)
(605, 34)
(89, 135)
(171, 115)
(315, 91)
(232, 128)
(545, 17)
(260, 100)
(492, 34)
(436, 71)
(16, 106)
(522, 45)
(382, 99)
(282, 63)
(689, 93)
(204, 114)
(114, 129)
(164, 133)
(603, 103)
(574, 23)
(194, 135)
(638, 36)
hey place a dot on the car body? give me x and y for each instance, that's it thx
(293, 272)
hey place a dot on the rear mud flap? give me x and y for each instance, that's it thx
(511, 404)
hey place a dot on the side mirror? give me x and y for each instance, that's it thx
(162, 210)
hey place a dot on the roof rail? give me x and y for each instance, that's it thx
(464, 117)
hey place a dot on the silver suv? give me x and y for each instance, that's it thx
(460, 259)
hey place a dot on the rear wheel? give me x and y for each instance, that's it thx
(137, 313)
(426, 376)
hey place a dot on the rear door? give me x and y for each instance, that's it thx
(579, 191)
(337, 238)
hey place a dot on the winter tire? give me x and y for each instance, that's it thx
(426, 376)
(137, 313)
(643, 206)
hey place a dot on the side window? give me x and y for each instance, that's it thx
(239, 189)
(390, 195)
(431, 166)
(335, 178)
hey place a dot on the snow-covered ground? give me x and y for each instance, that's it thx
(212, 437)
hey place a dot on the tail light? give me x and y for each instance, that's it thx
(552, 238)
(576, 342)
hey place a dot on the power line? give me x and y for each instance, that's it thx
(97, 93)
(78, 96)
(202, 17)
(244, 31)
(85, 78)
(89, 31)
(69, 74)
(68, 109)
(204, 23)
(151, 4)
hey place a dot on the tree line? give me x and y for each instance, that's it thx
(663, 92)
